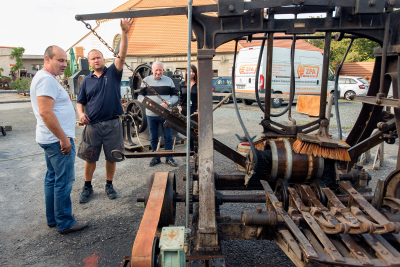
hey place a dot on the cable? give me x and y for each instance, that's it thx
(137, 134)
(256, 84)
(339, 68)
(253, 149)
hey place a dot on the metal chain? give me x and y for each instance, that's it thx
(174, 110)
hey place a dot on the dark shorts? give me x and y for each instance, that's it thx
(108, 134)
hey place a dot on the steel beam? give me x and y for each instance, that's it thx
(208, 236)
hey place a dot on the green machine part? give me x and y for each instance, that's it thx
(171, 247)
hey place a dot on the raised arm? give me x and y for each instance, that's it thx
(123, 46)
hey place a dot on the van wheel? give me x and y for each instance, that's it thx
(348, 94)
(276, 102)
(248, 102)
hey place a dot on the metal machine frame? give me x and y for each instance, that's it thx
(312, 221)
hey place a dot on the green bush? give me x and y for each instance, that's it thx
(22, 84)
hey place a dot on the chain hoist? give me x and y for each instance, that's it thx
(174, 110)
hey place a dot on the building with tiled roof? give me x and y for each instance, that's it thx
(164, 38)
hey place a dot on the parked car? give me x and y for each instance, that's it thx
(125, 89)
(222, 85)
(352, 86)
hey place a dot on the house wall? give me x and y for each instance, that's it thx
(29, 62)
(222, 63)
(6, 60)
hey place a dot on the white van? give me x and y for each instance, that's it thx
(308, 73)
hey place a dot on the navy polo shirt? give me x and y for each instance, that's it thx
(102, 95)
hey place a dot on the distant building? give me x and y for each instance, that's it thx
(6, 61)
(33, 63)
(358, 69)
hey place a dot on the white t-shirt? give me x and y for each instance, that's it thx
(44, 84)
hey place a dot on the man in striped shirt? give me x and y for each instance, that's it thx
(165, 87)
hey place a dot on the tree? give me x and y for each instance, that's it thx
(67, 72)
(362, 50)
(17, 54)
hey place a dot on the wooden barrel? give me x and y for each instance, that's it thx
(244, 149)
(292, 166)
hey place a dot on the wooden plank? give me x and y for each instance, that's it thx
(291, 243)
(304, 243)
(325, 241)
(143, 245)
(381, 250)
(314, 241)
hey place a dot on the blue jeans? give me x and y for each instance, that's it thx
(58, 184)
(153, 123)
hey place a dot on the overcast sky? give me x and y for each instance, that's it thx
(36, 24)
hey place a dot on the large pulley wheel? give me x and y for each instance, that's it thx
(138, 114)
(392, 185)
(281, 190)
(143, 71)
(155, 255)
(168, 210)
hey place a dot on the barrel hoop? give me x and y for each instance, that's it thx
(310, 167)
(289, 159)
(274, 152)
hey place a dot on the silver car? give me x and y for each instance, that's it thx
(352, 86)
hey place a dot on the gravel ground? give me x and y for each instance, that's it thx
(25, 238)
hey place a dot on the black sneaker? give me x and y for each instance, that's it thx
(171, 162)
(86, 193)
(110, 191)
(154, 162)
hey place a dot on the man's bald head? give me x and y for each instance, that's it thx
(50, 51)
(55, 60)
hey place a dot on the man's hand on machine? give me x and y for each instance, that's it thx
(163, 105)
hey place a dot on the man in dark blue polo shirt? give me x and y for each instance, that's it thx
(100, 93)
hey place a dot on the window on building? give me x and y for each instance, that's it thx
(36, 67)
(215, 73)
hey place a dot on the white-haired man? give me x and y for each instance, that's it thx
(165, 87)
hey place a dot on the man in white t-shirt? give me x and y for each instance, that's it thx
(55, 130)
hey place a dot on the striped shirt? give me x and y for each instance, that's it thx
(164, 87)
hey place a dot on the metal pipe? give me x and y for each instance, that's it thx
(292, 80)
(290, 37)
(247, 198)
(188, 89)
(268, 78)
(339, 68)
(384, 53)
(325, 67)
